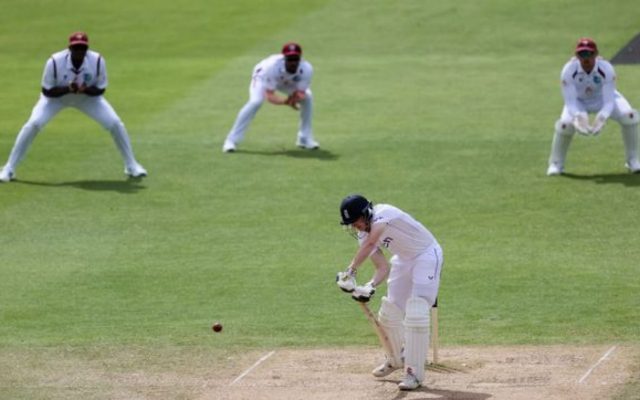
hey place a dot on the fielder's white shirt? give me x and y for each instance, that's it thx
(273, 75)
(59, 70)
(589, 92)
(403, 236)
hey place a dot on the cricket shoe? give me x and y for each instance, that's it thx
(409, 382)
(384, 369)
(307, 143)
(228, 146)
(633, 165)
(135, 171)
(555, 169)
(6, 174)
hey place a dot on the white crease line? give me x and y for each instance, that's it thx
(604, 357)
(252, 367)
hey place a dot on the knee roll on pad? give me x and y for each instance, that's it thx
(417, 314)
(564, 127)
(390, 313)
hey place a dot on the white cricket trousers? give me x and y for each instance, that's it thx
(97, 107)
(250, 109)
(419, 277)
(622, 113)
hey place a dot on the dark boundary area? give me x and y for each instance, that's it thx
(629, 54)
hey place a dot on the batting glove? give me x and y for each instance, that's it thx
(346, 280)
(363, 293)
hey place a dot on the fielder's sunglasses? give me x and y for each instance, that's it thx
(586, 54)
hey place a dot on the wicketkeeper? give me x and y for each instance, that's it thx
(589, 86)
(413, 279)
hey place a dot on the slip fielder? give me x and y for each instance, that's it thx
(289, 74)
(75, 77)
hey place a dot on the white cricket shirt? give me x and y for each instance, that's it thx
(403, 236)
(591, 92)
(273, 75)
(59, 70)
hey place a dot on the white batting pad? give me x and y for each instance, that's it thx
(416, 324)
(390, 317)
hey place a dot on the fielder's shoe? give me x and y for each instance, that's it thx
(633, 165)
(555, 169)
(409, 382)
(307, 143)
(135, 171)
(228, 146)
(6, 174)
(384, 369)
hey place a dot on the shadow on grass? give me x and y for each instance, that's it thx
(319, 154)
(125, 186)
(623, 179)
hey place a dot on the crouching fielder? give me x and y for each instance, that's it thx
(589, 86)
(413, 280)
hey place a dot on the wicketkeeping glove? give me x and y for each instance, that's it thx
(346, 280)
(581, 123)
(363, 293)
(598, 124)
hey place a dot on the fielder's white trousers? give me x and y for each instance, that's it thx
(621, 108)
(419, 277)
(622, 112)
(250, 109)
(97, 107)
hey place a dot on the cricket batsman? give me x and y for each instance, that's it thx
(413, 280)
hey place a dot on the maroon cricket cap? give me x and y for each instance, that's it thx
(78, 38)
(586, 44)
(292, 49)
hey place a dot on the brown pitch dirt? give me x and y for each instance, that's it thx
(471, 373)
(465, 373)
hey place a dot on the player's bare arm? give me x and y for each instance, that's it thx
(57, 91)
(274, 98)
(91, 91)
(382, 267)
(367, 247)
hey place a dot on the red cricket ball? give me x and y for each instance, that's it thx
(217, 327)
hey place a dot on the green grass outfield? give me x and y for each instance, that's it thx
(445, 109)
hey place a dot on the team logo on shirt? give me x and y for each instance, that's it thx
(386, 242)
(86, 77)
(597, 80)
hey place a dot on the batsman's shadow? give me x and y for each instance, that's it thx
(125, 186)
(630, 180)
(319, 154)
(443, 395)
